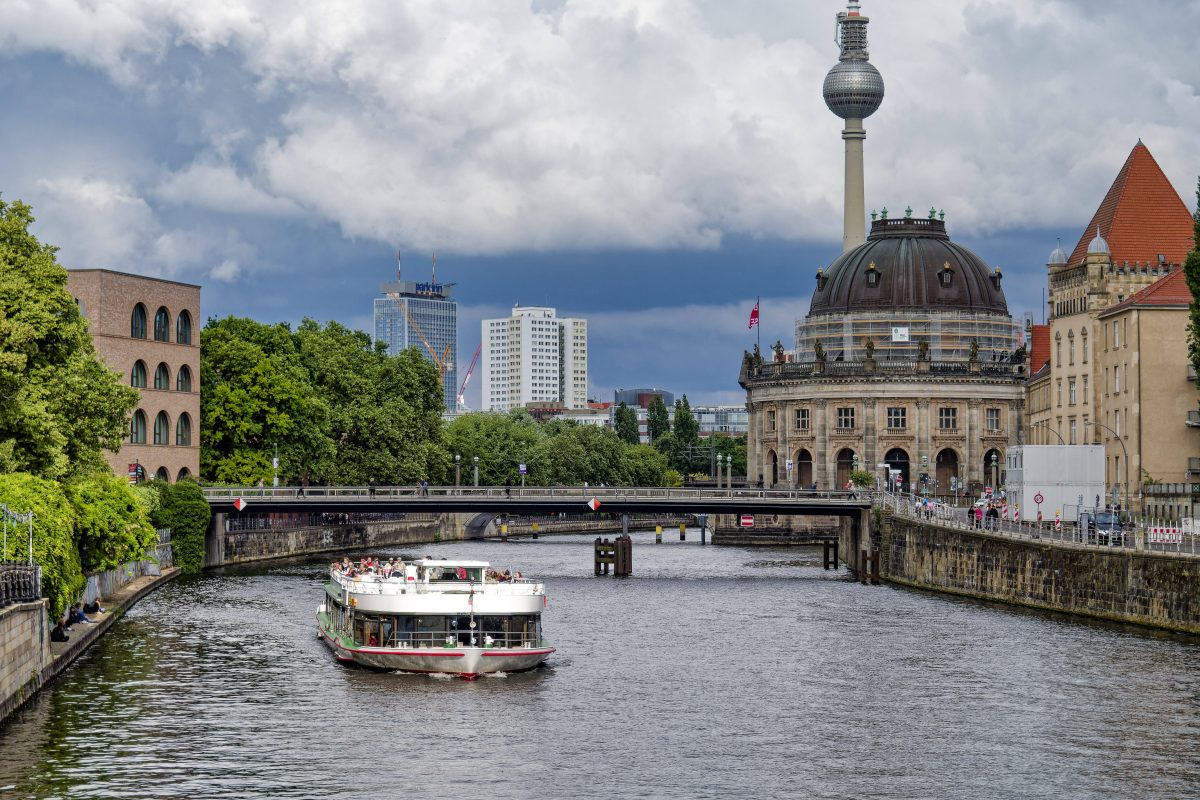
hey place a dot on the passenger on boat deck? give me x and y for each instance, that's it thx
(516, 576)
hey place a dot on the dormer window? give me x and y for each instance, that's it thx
(872, 275)
(996, 276)
(822, 278)
(946, 275)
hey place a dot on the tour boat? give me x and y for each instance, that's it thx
(435, 616)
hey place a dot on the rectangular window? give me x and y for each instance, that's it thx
(948, 419)
(1116, 335)
(896, 418)
(845, 418)
(1117, 379)
(1085, 389)
(802, 419)
(1071, 392)
(1117, 421)
(993, 419)
(1072, 439)
(1058, 391)
(770, 420)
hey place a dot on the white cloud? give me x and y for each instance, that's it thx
(506, 126)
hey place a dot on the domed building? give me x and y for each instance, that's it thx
(908, 356)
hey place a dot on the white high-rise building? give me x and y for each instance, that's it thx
(534, 356)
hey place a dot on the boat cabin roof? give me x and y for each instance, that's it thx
(447, 562)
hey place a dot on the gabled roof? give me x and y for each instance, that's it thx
(1169, 292)
(1039, 347)
(1141, 216)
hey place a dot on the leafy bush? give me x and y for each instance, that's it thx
(112, 527)
(53, 536)
(863, 479)
(184, 510)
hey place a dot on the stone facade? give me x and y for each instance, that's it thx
(24, 652)
(148, 330)
(1156, 589)
(943, 420)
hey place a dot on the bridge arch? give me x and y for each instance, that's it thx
(946, 466)
(804, 468)
(897, 459)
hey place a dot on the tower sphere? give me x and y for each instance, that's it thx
(853, 89)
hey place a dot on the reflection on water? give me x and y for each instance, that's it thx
(712, 672)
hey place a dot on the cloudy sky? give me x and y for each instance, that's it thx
(652, 165)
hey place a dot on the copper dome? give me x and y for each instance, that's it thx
(908, 264)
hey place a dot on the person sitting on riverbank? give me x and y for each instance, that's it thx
(93, 607)
(76, 615)
(58, 633)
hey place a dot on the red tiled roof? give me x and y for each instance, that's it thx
(1141, 216)
(1171, 291)
(1039, 347)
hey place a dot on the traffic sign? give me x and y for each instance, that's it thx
(747, 520)
(1037, 498)
(239, 504)
(789, 465)
(521, 469)
(593, 504)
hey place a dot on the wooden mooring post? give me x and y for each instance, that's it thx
(617, 553)
(870, 568)
(829, 556)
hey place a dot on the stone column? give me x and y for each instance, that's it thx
(925, 434)
(822, 472)
(870, 456)
(855, 211)
(974, 431)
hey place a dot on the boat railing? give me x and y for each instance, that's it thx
(433, 640)
(372, 584)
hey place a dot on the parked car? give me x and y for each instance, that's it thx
(1101, 527)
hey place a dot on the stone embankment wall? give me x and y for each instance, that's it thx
(258, 545)
(523, 526)
(774, 530)
(24, 652)
(1156, 589)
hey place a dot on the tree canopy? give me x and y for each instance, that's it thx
(625, 421)
(60, 406)
(658, 420)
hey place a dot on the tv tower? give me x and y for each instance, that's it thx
(853, 90)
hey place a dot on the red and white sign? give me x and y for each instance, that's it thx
(239, 504)
(593, 504)
(747, 520)
(1037, 498)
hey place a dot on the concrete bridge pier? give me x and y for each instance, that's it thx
(214, 541)
(858, 548)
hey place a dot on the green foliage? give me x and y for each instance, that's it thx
(112, 526)
(571, 455)
(184, 510)
(59, 405)
(644, 466)
(502, 442)
(658, 421)
(686, 428)
(53, 536)
(1191, 273)
(672, 478)
(863, 479)
(625, 421)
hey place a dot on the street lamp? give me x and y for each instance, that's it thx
(457, 468)
(995, 475)
(1046, 424)
(476, 470)
(1123, 451)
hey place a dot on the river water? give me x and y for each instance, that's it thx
(712, 672)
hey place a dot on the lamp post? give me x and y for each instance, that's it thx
(476, 470)
(995, 475)
(1123, 451)
(457, 469)
(1046, 424)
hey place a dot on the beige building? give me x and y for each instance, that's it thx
(148, 330)
(1151, 432)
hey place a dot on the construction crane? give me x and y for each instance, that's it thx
(442, 361)
(462, 387)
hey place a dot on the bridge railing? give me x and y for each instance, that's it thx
(1142, 536)
(367, 493)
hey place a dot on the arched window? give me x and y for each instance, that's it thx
(162, 377)
(162, 325)
(184, 474)
(137, 322)
(161, 474)
(137, 376)
(162, 428)
(947, 274)
(183, 328)
(183, 430)
(183, 381)
(137, 428)
(872, 275)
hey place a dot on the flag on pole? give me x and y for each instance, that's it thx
(753, 316)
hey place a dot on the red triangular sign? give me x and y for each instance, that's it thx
(239, 504)
(593, 504)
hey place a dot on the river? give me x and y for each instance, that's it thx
(712, 672)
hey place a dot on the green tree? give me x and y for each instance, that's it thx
(644, 466)
(1191, 273)
(686, 428)
(112, 527)
(183, 509)
(626, 423)
(863, 478)
(59, 405)
(572, 454)
(502, 442)
(658, 421)
(54, 547)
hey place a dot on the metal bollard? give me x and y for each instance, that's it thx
(682, 532)
(658, 534)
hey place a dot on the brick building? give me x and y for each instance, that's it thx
(148, 330)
